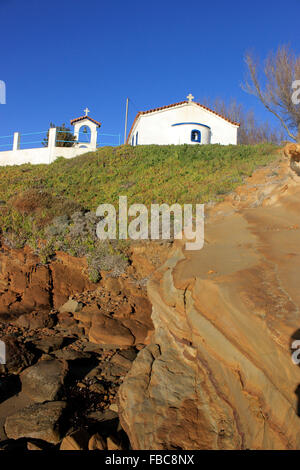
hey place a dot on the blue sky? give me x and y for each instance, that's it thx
(59, 57)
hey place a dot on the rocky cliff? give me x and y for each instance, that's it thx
(218, 372)
(69, 343)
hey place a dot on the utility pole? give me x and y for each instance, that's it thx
(126, 117)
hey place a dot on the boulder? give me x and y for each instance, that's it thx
(114, 407)
(66, 320)
(113, 444)
(71, 306)
(18, 354)
(108, 331)
(44, 381)
(121, 361)
(292, 151)
(77, 440)
(36, 320)
(97, 387)
(49, 344)
(38, 421)
(97, 442)
(107, 421)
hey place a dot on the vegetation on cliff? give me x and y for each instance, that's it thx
(51, 207)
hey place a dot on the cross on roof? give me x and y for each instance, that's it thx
(86, 111)
(190, 97)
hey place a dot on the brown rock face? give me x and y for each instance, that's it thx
(26, 285)
(114, 312)
(218, 373)
(68, 276)
(117, 314)
(292, 151)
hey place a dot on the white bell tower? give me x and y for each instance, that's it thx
(92, 124)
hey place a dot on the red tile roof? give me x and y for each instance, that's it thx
(177, 104)
(73, 121)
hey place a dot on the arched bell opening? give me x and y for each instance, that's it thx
(84, 133)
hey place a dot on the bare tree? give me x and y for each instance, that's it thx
(251, 131)
(275, 88)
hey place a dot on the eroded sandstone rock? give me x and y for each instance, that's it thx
(26, 285)
(218, 373)
(97, 442)
(108, 331)
(77, 440)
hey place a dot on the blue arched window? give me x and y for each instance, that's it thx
(136, 138)
(132, 140)
(196, 136)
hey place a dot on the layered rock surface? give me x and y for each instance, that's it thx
(27, 285)
(218, 372)
(69, 343)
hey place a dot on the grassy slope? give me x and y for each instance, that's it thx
(41, 205)
(146, 174)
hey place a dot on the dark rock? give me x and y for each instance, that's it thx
(97, 388)
(97, 442)
(35, 320)
(121, 361)
(94, 373)
(79, 363)
(44, 381)
(129, 354)
(107, 421)
(18, 355)
(66, 319)
(48, 344)
(71, 355)
(9, 385)
(110, 371)
(77, 440)
(38, 421)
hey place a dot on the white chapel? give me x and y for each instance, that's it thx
(186, 122)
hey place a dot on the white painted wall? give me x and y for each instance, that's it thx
(47, 155)
(157, 127)
(39, 155)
